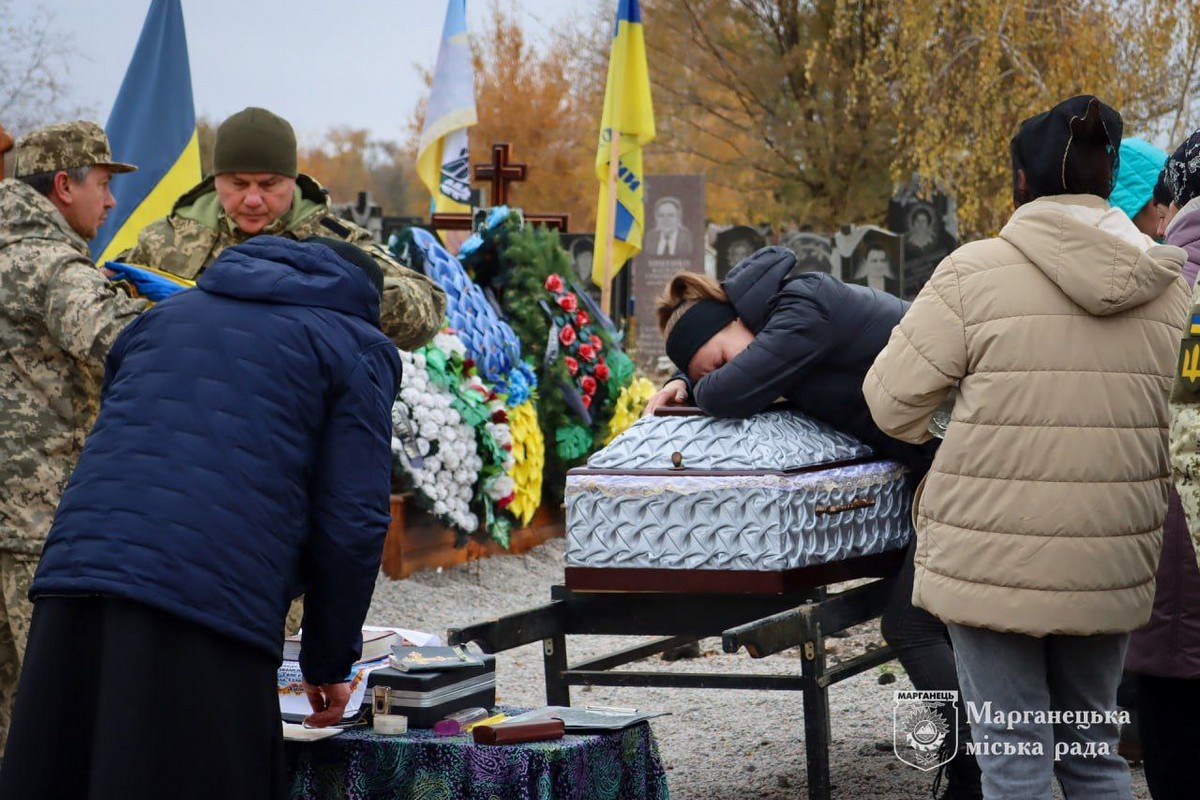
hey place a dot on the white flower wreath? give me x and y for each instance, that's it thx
(447, 444)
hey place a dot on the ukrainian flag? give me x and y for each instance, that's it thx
(1194, 327)
(152, 284)
(152, 125)
(628, 111)
(443, 158)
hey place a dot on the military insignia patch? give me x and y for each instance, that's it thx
(1194, 325)
(1189, 365)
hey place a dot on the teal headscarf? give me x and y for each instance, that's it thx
(1140, 164)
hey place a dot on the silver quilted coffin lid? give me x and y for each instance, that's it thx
(775, 441)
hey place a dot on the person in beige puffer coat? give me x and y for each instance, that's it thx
(1039, 524)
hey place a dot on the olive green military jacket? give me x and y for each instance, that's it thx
(58, 318)
(197, 230)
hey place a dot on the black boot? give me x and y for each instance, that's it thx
(962, 777)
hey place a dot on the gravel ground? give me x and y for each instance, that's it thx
(716, 744)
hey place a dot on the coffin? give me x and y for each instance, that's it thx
(769, 504)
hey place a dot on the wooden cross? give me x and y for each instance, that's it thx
(500, 173)
(6, 144)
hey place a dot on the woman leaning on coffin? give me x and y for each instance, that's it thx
(764, 334)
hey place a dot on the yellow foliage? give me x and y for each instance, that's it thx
(529, 459)
(808, 113)
(629, 405)
(966, 74)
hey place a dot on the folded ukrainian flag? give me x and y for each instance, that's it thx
(152, 284)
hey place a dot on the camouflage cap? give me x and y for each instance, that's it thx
(65, 146)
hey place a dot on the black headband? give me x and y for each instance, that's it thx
(697, 325)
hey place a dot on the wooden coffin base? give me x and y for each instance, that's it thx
(734, 581)
(417, 541)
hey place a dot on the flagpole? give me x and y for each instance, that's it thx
(614, 165)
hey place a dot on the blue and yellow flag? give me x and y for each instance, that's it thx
(152, 125)
(627, 110)
(152, 284)
(443, 158)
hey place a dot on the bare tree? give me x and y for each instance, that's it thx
(34, 65)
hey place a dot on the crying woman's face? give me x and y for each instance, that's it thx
(718, 351)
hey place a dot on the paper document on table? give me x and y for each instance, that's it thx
(298, 733)
(293, 703)
(415, 638)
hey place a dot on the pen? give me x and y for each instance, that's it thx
(611, 709)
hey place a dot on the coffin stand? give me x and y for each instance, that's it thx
(687, 527)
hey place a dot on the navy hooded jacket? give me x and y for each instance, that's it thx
(241, 456)
(814, 340)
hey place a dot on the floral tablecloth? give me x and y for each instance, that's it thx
(419, 765)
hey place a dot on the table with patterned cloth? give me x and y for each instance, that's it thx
(360, 764)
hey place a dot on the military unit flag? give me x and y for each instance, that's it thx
(152, 125)
(443, 161)
(629, 112)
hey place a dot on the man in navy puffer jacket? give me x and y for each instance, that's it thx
(241, 456)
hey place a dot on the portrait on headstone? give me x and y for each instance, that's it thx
(871, 256)
(581, 246)
(673, 242)
(735, 245)
(669, 236)
(814, 251)
(874, 268)
(930, 229)
(921, 235)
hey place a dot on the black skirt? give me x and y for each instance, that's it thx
(118, 701)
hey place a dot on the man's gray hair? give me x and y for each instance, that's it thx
(43, 182)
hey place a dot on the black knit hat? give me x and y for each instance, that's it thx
(356, 256)
(255, 140)
(1071, 149)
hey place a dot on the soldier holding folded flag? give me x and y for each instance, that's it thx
(58, 318)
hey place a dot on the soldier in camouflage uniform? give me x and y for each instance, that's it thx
(257, 189)
(58, 318)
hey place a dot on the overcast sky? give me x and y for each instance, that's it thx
(316, 62)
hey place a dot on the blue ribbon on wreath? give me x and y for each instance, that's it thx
(489, 340)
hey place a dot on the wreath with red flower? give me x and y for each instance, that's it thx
(582, 349)
(553, 321)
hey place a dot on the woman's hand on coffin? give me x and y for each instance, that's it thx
(328, 703)
(673, 394)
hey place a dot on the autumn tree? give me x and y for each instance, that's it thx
(34, 64)
(811, 112)
(348, 161)
(206, 139)
(967, 74)
(541, 101)
(1181, 76)
(781, 103)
